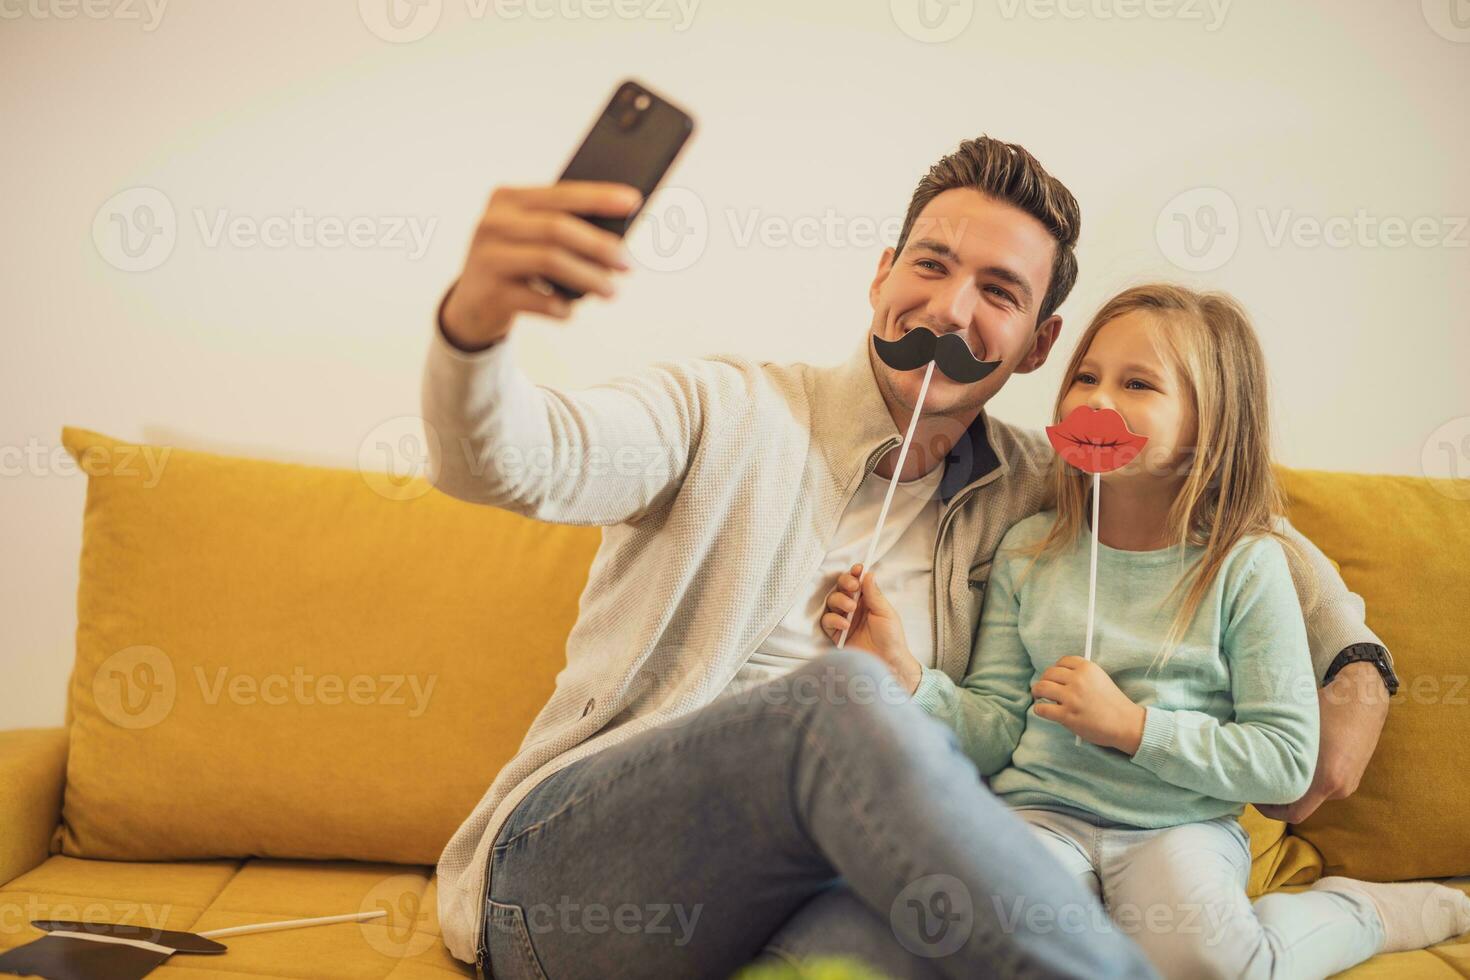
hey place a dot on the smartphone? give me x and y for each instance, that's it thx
(634, 141)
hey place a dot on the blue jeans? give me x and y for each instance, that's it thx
(684, 850)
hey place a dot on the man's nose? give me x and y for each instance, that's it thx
(953, 304)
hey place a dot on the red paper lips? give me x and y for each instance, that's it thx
(1095, 440)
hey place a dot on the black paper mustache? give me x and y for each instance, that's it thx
(949, 352)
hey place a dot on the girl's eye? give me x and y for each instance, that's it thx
(1086, 378)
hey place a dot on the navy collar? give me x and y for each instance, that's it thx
(971, 458)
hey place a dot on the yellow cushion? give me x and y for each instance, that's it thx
(1403, 544)
(201, 895)
(290, 661)
(32, 771)
(1277, 858)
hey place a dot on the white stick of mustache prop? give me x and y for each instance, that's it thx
(903, 453)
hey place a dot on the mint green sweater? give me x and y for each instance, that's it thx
(1231, 719)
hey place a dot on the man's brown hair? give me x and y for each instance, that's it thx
(1006, 172)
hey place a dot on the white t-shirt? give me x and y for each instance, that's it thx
(904, 564)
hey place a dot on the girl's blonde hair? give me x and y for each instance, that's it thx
(1230, 492)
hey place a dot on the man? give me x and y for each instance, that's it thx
(732, 492)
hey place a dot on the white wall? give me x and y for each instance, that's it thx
(1294, 111)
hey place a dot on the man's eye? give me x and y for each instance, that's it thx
(927, 263)
(1002, 294)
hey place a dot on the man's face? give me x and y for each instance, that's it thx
(972, 266)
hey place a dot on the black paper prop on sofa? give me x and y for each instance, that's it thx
(103, 951)
(919, 348)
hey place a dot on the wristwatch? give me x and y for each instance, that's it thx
(1364, 653)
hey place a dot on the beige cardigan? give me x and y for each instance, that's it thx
(715, 464)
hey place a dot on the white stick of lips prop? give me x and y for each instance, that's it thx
(1096, 441)
(918, 348)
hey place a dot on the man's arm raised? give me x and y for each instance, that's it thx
(603, 455)
(1353, 695)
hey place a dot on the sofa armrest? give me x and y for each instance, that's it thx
(32, 776)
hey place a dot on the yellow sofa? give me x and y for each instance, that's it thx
(291, 682)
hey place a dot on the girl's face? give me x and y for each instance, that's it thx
(1125, 370)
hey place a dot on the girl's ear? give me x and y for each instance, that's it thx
(1041, 344)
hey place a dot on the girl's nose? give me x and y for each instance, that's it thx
(1097, 400)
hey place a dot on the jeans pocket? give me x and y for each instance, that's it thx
(508, 943)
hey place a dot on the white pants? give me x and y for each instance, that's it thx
(1179, 892)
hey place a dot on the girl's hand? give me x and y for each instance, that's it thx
(876, 625)
(1090, 704)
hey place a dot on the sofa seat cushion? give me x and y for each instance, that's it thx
(201, 895)
(197, 895)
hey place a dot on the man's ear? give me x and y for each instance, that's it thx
(1041, 344)
(885, 266)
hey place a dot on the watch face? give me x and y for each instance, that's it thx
(1377, 660)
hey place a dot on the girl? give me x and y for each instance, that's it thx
(1201, 695)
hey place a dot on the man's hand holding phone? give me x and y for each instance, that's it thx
(526, 236)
